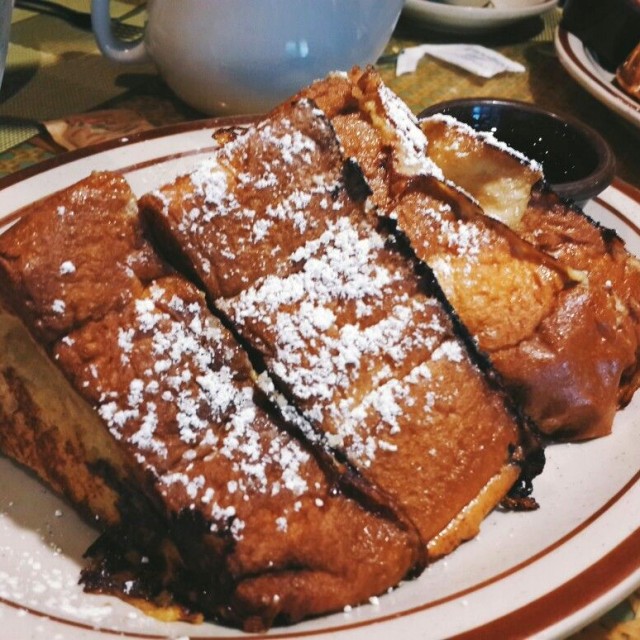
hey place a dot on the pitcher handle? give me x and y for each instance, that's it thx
(110, 45)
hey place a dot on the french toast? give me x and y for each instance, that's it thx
(322, 424)
(123, 392)
(585, 360)
(563, 336)
(346, 323)
(628, 73)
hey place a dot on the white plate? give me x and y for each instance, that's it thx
(541, 574)
(458, 19)
(583, 66)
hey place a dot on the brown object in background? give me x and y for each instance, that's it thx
(84, 129)
(628, 74)
(609, 28)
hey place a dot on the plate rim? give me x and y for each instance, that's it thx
(163, 131)
(577, 61)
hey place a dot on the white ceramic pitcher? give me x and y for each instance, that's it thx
(245, 56)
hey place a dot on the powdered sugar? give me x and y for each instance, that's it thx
(58, 306)
(321, 353)
(67, 267)
(346, 328)
(241, 202)
(192, 401)
(411, 144)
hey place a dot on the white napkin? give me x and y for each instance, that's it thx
(473, 58)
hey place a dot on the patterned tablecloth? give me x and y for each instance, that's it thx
(54, 69)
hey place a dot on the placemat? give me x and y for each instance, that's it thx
(54, 69)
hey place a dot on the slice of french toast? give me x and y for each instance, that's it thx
(596, 325)
(563, 336)
(354, 332)
(123, 392)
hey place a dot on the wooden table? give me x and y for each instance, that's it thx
(55, 70)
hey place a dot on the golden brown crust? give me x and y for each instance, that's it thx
(582, 361)
(45, 426)
(231, 261)
(244, 521)
(545, 311)
(343, 323)
(596, 324)
(109, 265)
